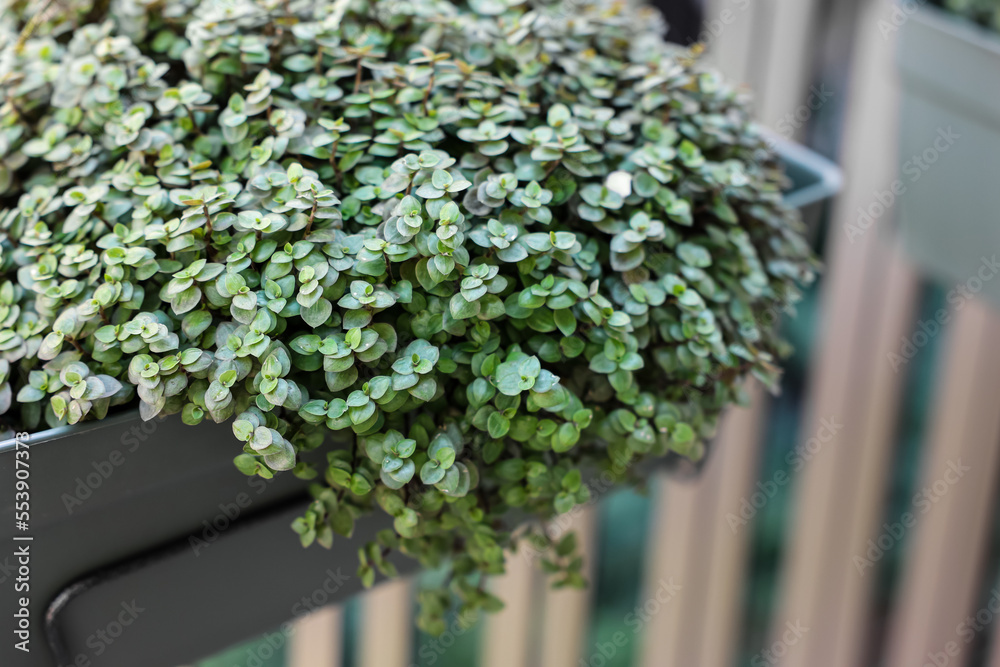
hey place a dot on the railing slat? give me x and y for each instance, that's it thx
(767, 44)
(948, 544)
(786, 64)
(567, 611)
(696, 547)
(316, 639)
(867, 306)
(868, 462)
(386, 633)
(677, 528)
(507, 633)
(731, 39)
(737, 461)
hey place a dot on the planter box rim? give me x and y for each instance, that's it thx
(958, 26)
(67, 430)
(819, 177)
(949, 71)
(949, 60)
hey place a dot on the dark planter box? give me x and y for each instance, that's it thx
(139, 558)
(119, 516)
(949, 202)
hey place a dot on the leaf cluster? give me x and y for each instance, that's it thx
(469, 249)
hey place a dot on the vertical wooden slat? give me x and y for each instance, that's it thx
(867, 306)
(694, 545)
(511, 637)
(824, 493)
(507, 634)
(739, 446)
(316, 639)
(949, 541)
(692, 539)
(868, 464)
(567, 611)
(787, 63)
(768, 45)
(675, 524)
(386, 634)
(689, 612)
(730, 37)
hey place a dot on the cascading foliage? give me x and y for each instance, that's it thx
(474, 247)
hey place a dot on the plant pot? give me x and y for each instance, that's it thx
(118, 513)
(123, 527)
(946, 193)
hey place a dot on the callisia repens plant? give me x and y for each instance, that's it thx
(443, 258)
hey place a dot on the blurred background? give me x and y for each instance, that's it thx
(853, 519)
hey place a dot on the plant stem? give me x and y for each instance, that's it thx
(312, 216)
(335, 164)
(194, 123)
(319, 59)
(35, 21)
(208, 218)
(427, 93)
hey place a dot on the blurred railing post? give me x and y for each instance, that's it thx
(386, 635)
(767, 44)
(950, 540)
(507, 633)
(867, 306)
(316, 639)
(694, 546)
(567, 611)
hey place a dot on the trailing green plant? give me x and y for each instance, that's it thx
(469, 251)
(983, 12)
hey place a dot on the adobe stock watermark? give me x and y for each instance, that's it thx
(435, 647)
(322, 594)
(271, 644)
(88, 483)
(966, 631)
(228, 513)
(797, 459)
(912, 170)
(793, 121)
(923, 501)
(637, 619)
(102, 638)
(715, 26)
(957, 297)
(8, 569)
(773, 654)
(902, 10)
